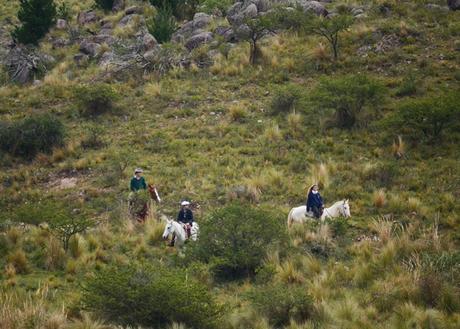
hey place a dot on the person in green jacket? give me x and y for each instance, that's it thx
(138, 182)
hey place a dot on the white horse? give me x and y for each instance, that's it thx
(173, 227)
(300, 215)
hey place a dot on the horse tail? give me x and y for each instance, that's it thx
(289, 219)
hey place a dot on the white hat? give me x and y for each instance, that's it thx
(138, 170)
(185, 203)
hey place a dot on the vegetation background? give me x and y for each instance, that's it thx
(379, 125)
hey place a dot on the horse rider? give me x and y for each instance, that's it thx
(138, 182)
(314, 201)
(184, 217)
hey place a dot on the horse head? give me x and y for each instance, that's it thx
(346, 209)
(168, 229)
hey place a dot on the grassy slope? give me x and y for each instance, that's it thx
(167, 128)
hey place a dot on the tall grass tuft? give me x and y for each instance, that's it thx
(383, 228)
(319, 174)
(379, 198)
(18, 260)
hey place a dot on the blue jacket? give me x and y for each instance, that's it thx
(314, 200)
(185, 216)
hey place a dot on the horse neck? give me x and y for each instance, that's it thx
(334, 210)
(179, 230)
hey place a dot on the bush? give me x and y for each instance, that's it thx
(104, 4)
(427, 118)
(347, 96)
(282, 303)
(96, 100)
(181, 9)
(36, 17)
(285, 100)
(234, 240)
(209, 6)
(27, 137)
(150, 296)
(163, 26)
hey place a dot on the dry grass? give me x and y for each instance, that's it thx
(273, 134)
(383, 228)
(237, 112)
(288, 272)
(379, 198)
(152, 89)
(320, 52)
(398, 148)
(319, 174)
(18, 260)
(295, 124)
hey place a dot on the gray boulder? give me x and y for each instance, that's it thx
(226, 32)
(133, 10)
(148, 42)
(313, 6)
(90, 48)
(453, 4)
(22, 64)
(191, 28)
(234, 9)
(87, 17)
(198, 40)
(128, 19)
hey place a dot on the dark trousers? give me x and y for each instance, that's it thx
(317, 212)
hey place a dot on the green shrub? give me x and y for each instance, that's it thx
(209, 6)
(96, 99)
(347, 96)
(27, 137)
(181, 9)
(427, 118)
(150, 296)
(234, 240)
(36, 17)
(408, 86)
(282, 303)
(285, 100)
(63, 11)
(163, 25)
(104, 4)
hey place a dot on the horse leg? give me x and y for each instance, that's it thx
(173, 240)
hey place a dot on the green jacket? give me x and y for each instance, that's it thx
(137, 184)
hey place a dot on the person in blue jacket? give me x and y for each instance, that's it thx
(314, 201)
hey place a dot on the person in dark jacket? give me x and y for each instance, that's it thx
(314, 201)
(138, 182)
(184, 217)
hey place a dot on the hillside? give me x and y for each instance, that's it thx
(378, 125)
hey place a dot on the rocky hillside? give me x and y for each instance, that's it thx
(238, 107)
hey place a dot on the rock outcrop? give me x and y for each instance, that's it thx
(453, 4)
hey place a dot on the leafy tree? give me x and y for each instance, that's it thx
(163, 25)
(347, 96)
(27, 137)
(427, 118)
(328, 27)
(255, 29)
(150, 296)
(64, 226)
(235, 239)
(36, 17)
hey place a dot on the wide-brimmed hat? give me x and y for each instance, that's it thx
(185, 203)
(138, 170)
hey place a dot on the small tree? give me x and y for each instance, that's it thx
(347, 96)
(328, 27)
(253, 30)
(96, 99)
(427, 118)
(36, 17)
(235, 239)
(65, 226)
